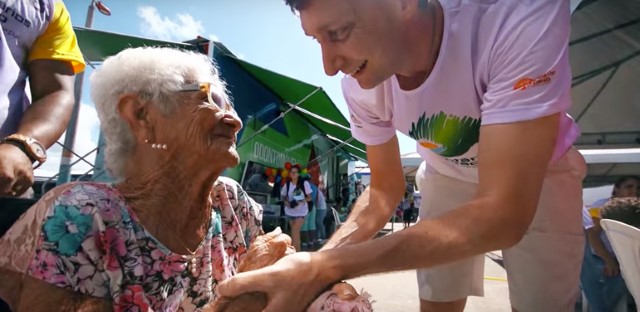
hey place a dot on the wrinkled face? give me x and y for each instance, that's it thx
(357, 37)
(204, 126)
(628, 188)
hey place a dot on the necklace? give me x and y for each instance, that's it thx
(192, 259)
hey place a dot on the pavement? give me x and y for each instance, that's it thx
(398, 291)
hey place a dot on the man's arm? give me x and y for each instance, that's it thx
(45, 120)
(593, 237)
(513, 159)
(377, 203)
(52, 93)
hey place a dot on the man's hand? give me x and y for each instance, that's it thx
(310, 281)
(16, 171)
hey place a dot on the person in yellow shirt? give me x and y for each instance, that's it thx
(37, 44)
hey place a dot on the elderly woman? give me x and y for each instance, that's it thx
(170, 228)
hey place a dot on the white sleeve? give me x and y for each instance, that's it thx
(367, 126)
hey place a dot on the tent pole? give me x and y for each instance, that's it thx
(338, 146)
(282, 114)
(70, 136)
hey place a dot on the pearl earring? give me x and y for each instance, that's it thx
(156, 145)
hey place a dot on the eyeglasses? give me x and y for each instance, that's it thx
(206, 88)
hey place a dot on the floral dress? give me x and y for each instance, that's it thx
(84, 237)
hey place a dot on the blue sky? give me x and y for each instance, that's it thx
(263, 32)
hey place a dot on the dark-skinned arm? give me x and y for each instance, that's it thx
(52, 86)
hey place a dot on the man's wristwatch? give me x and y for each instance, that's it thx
(30, 146)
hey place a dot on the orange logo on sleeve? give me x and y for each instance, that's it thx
(527, 82)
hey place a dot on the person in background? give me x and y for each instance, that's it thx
(321, 213)
(259, 181)
(37, 43)
(308, 230)
(600, 275)
(625, 186)
(296, 193)
(407, 214)
(345, 189)
(600, 278)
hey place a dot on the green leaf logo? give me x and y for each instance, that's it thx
(446, 135)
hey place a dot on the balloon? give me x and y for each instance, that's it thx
(274, 172)
(285, 173)
(268, 171)
(304, 171)
(278, 179)
(287, 165)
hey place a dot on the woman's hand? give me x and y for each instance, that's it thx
(291, 284)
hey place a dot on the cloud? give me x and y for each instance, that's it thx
(182, 27)
(87, 133)
(213, 37)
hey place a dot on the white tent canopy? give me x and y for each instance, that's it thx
(604, 51)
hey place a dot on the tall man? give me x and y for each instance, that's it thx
(483, 87)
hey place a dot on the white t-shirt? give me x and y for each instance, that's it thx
(500, 61)
(302, 208)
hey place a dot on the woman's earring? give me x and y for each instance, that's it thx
(157, 145)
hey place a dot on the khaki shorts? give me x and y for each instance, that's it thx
(543, 269)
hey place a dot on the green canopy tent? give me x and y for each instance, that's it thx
(309, 101)
(317, 108)
(97, 45)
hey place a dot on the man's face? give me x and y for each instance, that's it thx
(357, 37)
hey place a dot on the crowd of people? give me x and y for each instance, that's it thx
(169, 232)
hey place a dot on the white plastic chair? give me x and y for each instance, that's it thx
(336, 217)
(625, 241)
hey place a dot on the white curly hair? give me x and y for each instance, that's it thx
(155, 75)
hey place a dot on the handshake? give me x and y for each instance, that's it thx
(266, 250)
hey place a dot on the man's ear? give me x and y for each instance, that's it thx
(136, 114)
